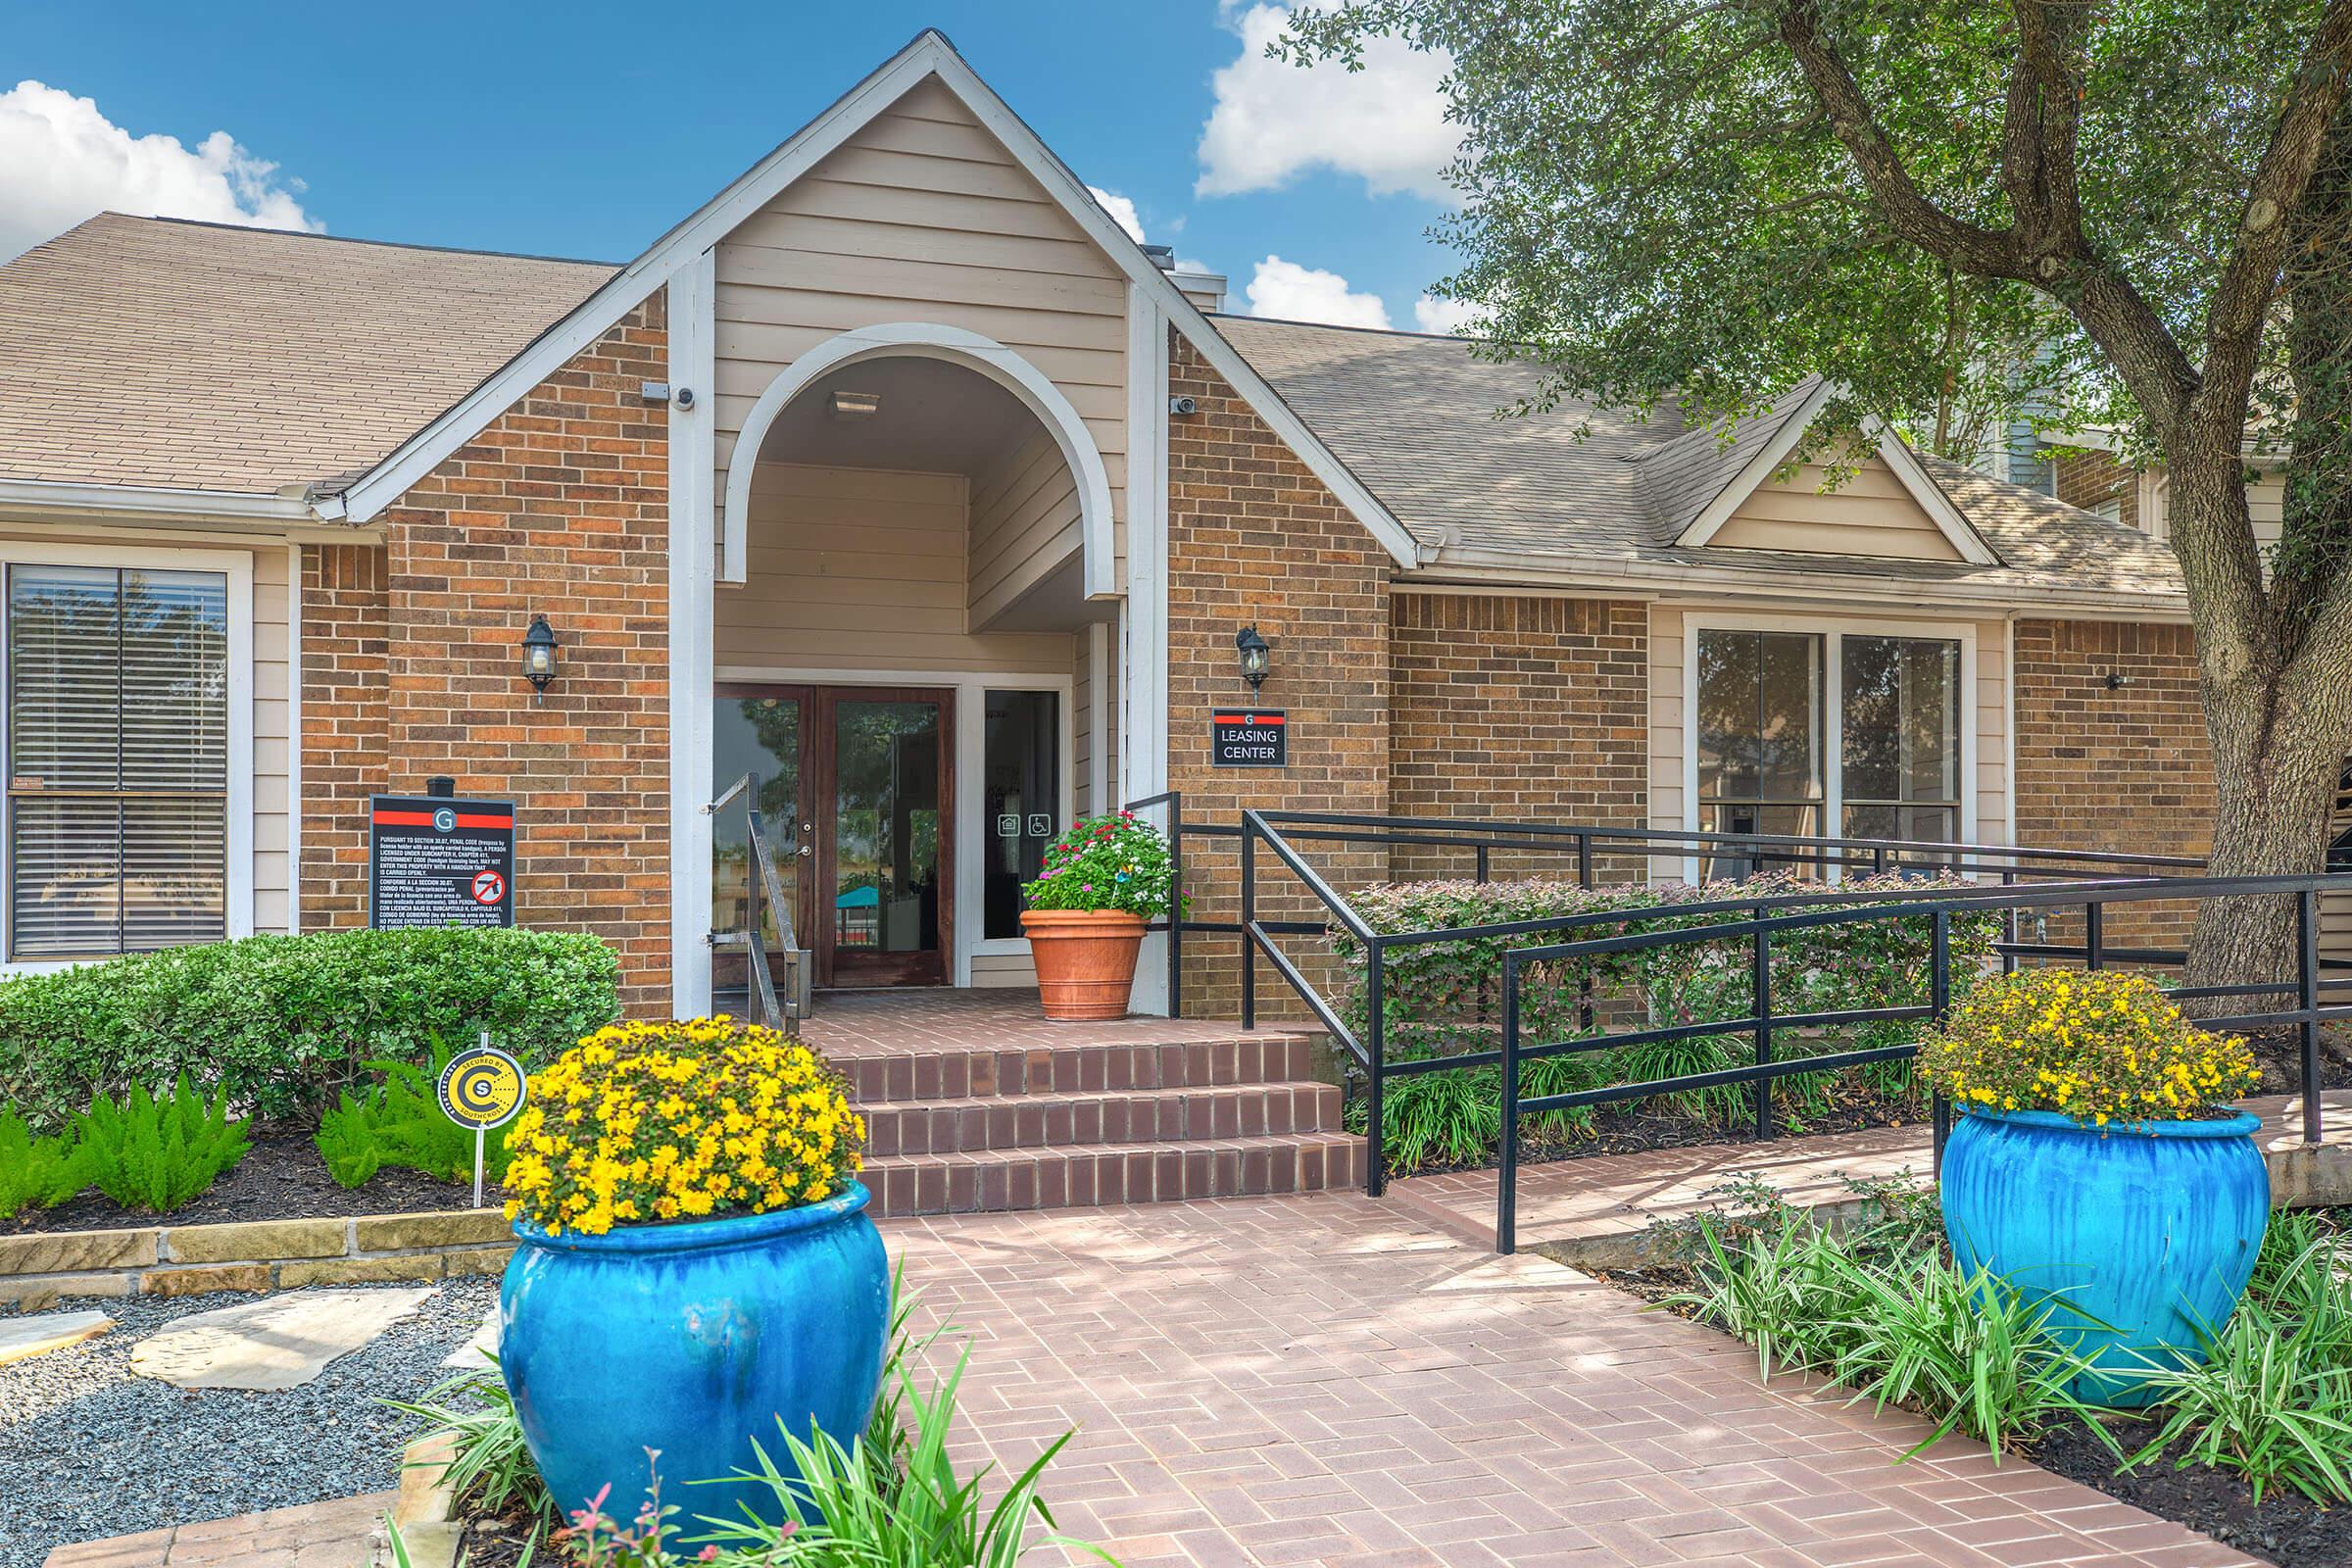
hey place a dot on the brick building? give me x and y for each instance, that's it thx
(899, 478)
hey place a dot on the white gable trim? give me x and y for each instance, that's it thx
(930, 54)
(1956, 529)
(955, 346)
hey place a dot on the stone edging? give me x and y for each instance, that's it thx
(37, 1269)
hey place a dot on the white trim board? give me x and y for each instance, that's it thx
(929, 55)
(692, 641)
(1831, 632)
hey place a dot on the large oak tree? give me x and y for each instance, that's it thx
(2134, 215)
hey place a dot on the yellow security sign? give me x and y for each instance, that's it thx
(482, 1086)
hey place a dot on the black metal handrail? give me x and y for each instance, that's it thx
(2029, 880)
(763, 877)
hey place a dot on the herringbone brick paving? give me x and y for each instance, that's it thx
(1324, 1379)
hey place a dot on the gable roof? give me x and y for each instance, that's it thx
(930, 54)
(158, 352)
(1579, 487)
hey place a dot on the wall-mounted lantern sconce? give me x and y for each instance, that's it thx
(2117, 681)
(1254, 655)
(539, 658)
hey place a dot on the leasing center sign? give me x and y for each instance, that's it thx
(434, 861)
(1251, 737)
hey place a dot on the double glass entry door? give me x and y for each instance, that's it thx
(854, 785)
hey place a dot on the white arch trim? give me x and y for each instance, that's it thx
(954, 346)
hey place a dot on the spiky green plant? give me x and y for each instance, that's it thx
(158, 1154)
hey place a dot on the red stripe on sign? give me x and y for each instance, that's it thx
(465, 820)
(425, 819)
(1249, 718)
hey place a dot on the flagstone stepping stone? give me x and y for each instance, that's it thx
(478, 1352)
(276, 1343)
(23, 1338)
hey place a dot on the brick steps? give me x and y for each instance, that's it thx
(991, 1180)
(920, 1074)
(1034, 1121)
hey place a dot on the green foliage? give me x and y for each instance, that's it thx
(157, 1154)
(1907, 1328)
(490, 1467)
(1118, 862)
(2273, 1398)
(282, 1022)
(399, 1121)
(1445, 996)
(35, 1172)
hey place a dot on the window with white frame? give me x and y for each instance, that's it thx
(1826, 734)
(118, 738)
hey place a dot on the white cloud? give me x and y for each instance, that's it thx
(1434, 314)
(1121, 210)
(62, 160)
(1297, 293)
(1273, 122)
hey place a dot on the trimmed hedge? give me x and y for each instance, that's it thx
(282, 1024)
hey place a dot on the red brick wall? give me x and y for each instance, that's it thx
(344, 712)
(2126, 769)
(559, 507)
(2096, 476)
(1255, 537)
(1529, 710)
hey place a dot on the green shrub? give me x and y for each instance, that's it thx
(35, 1172)
(284, 1022)
(399, 1121)
(157, 1154)
(1445, 996)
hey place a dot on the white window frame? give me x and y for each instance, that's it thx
(237, 567)
(1833, 714)
(971, 688)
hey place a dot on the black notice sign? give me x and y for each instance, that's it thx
(434, 861)
(1251, 736)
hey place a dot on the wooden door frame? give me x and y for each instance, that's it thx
(938, 966)
(790, 861)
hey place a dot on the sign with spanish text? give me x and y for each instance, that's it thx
(1249, 737)
(434, 861)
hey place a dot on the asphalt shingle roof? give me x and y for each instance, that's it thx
(144, 351)
(1416, 418)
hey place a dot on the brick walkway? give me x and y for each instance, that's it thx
(1589, 1208)
(1323, 1380)
(319, 1534)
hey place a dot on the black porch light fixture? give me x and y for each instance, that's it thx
(539, 658)
(1256, 656)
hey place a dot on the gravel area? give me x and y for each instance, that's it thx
(92, 1450)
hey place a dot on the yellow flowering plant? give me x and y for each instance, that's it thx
(2101, 1047)
(646, 1122)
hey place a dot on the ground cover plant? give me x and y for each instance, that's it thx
(34, 1171)
(283, 1023)
(153, 1153)
(2253, 1446)
(1445, 998)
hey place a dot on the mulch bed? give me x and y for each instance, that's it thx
(498, 1542)
(281, 1177)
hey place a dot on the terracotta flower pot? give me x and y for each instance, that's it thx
(1085, 960)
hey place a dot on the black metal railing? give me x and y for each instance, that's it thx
(2018, 881)
(764, 899)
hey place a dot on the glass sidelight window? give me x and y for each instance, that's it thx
(1826, 734)
(1021, 801)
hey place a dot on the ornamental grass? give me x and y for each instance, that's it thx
(646, 1122)
(2100, 1047)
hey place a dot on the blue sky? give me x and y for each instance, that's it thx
(587, 130)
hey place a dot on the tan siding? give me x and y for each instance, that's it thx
(864, 568)
(2266, 503)
(1082, 727)
(1869, 514)
(272, 748)
(998, 970)
(1026, 524)
(1993, 733)
(1666, 768)
(924, 216)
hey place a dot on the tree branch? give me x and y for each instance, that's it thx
(2243, 297)
(1994, 252)
(2040, 130)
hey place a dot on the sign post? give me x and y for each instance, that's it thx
(481, 1088)
(436, 860)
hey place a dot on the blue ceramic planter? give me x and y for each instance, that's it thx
(2145, 1233)
(693, 1339)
